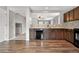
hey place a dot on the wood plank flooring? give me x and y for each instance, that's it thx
(37, 46)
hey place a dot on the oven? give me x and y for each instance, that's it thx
(76, 37)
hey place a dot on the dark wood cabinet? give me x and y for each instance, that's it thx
(68, 16)
(61, 34)
(76, 13)
(65, 17)
(72, 15)
(69, 35)
(55, 34)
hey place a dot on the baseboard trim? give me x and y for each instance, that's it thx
(8, 39)
(12, 38)
(4, 40)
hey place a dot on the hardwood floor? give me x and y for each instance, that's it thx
(37, 46)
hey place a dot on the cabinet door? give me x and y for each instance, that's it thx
(52, 34)
(65, 17)
(71, 15)
(64, 34)
(59, 34)
(71, 36)
(32, 34)
(68, 16)
(56, 34)
(76, 13)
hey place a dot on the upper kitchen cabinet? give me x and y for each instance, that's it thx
(72, 15)
(68, 16)
(76, 13)
(65, 17)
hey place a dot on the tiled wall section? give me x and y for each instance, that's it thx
(72, 24)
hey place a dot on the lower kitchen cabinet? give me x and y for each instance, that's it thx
(32, 34)
(70, 35)
(55, 34)
(62, 34)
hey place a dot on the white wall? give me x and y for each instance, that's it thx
(15, 18)
(7, 23)
(55, 20)
(22, 20)
(28, 22)
(11, 24)
(3, 25)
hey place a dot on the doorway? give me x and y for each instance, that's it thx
(18, 28)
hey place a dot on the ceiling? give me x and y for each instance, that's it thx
(22, 9)
(44, 16)
(51, 8)
(18, 9)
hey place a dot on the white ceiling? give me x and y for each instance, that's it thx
(22, 9)
(18, 9)
(44, 16)
(51, 8)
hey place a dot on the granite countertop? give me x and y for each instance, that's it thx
(53, 27)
